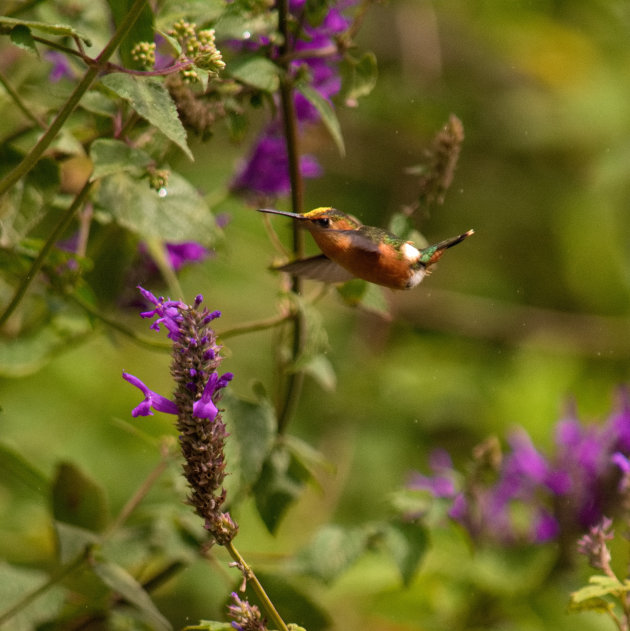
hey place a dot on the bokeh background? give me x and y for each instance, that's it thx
(527, 315)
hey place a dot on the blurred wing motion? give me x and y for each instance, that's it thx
(317, 268)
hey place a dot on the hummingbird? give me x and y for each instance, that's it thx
(352, 250)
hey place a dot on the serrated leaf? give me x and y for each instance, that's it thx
(77, 499)
(331, 552)
(252, 427)
(151, 100)
(326, 112)
(279, 485)
(61, 30)
(406, 543)
(360, 76)
(21, 36)
(18, 471)
(114, 156)
(176, 215)
(257, 72)
(120, 581)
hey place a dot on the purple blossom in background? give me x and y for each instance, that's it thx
(266, 172)
(61, 68)
(534, 498)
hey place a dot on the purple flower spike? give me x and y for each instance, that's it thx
(168, 312)
(151, 399)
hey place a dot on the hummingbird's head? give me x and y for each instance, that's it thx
(320, 219)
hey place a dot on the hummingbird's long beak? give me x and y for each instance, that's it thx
(284, 213)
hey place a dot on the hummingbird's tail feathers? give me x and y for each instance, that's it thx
(316, 268)
(449, 243)
(434, 252)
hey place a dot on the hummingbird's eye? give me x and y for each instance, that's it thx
(324, 222)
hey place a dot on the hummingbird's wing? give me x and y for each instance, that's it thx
(317, 268)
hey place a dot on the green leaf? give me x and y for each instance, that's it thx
(61, 30)
(141, 31)
(252, 428)
(25, 355)
(78, 500)
(72, 541)
(179, 215)
(19, 472)
(406, 543)
(113, 156)
(327, 113)
(319, 368)
(209, 625)
(279, 485)
(331, 552)
(359, 293)
(120, 581)
(15, 582)
(600, 586)
(199, 11)
(360, 76)
(151, 100)
(257, 72)
(307, 457)
(21, 36)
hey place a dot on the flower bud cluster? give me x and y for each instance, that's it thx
(198, 47)
(144, 53)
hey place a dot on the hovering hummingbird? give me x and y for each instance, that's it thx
(352, 250)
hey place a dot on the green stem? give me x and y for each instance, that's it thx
(51, 582)
(18, 101)
(295, 380)
(251, 327)
(277, 622)
(58, 230)
(121, 328)
(69, 106)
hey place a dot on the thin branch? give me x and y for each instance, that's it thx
(56, 578)
(54, 236)
(69, 106)
(248, 573)
(121, 328)
(294, 380)
(21, 105)
(257, 325)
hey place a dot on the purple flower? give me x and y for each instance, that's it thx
(151, 399)
(168, 312)
(198, 388)
(205, 407)
(61, 68)
(266, 172)
(556, 497)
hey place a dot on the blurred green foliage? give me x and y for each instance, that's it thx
(541, 87)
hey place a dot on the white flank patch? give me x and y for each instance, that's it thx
(416, 277)
(410, 252)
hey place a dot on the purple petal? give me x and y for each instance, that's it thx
(151, 399)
